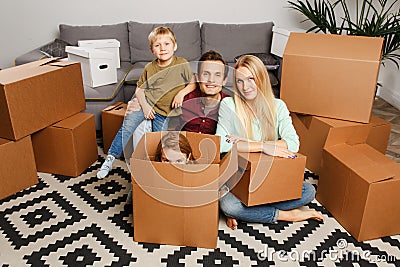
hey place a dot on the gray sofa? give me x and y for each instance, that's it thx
(193, 39)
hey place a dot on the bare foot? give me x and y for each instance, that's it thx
(297, 215)
(231, 223)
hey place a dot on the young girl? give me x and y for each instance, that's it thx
(174, 148)
(258, 122)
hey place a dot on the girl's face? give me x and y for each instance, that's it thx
(173, 156)
(246, 84)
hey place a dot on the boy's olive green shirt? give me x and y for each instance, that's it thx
(161, 84)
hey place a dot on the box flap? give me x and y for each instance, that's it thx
(335, 46)
(88, 52)
(364, 160)
(28, 70)
(73, 121)
(376, 121)
(113, 106)
(100, 43)
(228, 166)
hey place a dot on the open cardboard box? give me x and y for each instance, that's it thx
(37, 94)
(331, 75)
(315, 133)
(68, 147)
(17, 168)
(265, 179)
(112, 118)
(178, 204)
(360, 187)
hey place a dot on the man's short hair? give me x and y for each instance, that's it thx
(214, 56)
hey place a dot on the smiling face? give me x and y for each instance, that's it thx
(163, 49)
(172, 156)
(245, 83)
(211, 77)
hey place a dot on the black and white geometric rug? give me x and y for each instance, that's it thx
(85, 221)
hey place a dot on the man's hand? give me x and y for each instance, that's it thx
(133, 105)
(178, 99)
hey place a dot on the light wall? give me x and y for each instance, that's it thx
(27, 24)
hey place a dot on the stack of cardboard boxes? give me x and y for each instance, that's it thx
(329, 83)
(42, 129)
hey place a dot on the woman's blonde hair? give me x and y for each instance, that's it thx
(161, 30)
(264, 106)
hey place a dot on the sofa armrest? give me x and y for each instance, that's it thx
(29, 57)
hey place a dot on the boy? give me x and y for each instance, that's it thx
(160, 90)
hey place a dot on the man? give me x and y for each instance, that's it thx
(200, 107)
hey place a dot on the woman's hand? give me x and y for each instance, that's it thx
(133, 105)
(148, 111)
(235, 139)
(178, 99)
(272, 149)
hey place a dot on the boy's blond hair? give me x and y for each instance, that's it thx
(161, 30)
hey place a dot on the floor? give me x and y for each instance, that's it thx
(86, 221)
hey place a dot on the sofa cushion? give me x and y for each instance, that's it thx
(55, 48)
(187, 36)
(235, 39)
(72, 34)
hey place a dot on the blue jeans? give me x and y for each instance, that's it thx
(267, 213)
(131, 122)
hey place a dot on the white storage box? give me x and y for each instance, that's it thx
(98, 66)
(280, 37)
(109, 45)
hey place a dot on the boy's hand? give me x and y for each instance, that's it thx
(133, 105)
(178, 99)
(148, 111)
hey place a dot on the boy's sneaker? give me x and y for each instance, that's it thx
(106, 167)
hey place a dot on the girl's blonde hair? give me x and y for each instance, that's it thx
(161, 30)
(264, 105)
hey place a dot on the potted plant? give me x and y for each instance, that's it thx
(376, 18)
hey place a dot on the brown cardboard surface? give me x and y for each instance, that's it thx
(177, 204)
(360, 186)
(315, 133)
(36, 95)
(265, 179)
(112, 118)
(379, 135)
(329, 75)
(17, 168)
(68, 147)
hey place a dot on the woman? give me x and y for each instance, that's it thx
(175, 148)
(261, 124)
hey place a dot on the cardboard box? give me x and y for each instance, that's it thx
(98, 67)
(178, 204)
(17, 168)
(315, 133)
(331, 75)
(68, 147)
(108, 45)
(38, 94)
(360, 187)
(112, 118)
(266, 179)
(379, 134)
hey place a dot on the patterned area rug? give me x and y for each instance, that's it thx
(85, 221)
